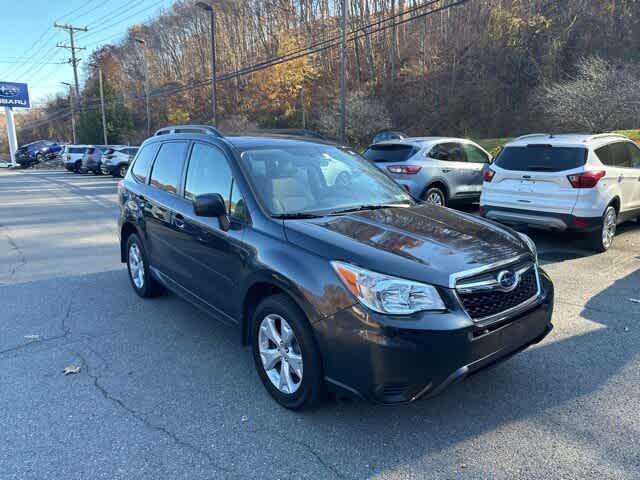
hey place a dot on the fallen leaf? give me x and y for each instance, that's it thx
(464, 465)
(244, 418)
(634, 300)
(71, 369)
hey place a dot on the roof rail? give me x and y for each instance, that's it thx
(531, 135)
(204, 129)
(605, 135)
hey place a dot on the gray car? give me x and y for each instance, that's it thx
(92, 158)
(438, 170)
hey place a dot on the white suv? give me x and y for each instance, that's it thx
(588, 183)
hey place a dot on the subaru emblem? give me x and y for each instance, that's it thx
(508, 280)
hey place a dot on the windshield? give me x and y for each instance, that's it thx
(316, 179)
(541, 158)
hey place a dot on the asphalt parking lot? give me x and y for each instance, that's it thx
(166, 392)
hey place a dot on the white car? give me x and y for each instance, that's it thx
(72, 157)
(587, 183)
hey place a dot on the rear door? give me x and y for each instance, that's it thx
(164, 182)
(634, 154)
(534, 177)
(451, 164)
(617, 159)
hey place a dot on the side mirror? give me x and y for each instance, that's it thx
(212, 205)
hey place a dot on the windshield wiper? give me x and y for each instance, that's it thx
(372, 206)
(295, 215)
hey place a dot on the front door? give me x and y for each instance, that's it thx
(212, 258)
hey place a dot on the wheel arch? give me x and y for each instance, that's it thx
(126, 230)
(261, 286)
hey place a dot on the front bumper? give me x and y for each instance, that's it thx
(391, 361)
(542, 220)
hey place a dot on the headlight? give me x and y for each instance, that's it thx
(385, 294)
(530, 243)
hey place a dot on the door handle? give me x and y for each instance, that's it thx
(620, 178)
(178, 221)
(446, 170)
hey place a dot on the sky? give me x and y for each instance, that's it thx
(28, 51)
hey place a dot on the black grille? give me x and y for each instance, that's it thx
(485, 304)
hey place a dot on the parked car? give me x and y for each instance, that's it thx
(386, 135)
(437, 170)
(92, 159)
(36, 152)
(355, 288)
(72, 157)
(584, 183)
(115, 160)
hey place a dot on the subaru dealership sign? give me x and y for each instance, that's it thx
(14, 95)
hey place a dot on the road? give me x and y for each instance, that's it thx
(165, 392)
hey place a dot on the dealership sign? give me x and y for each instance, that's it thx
(14, 95)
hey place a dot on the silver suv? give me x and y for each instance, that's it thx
(438, 170)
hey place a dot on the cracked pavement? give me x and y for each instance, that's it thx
(167, 392)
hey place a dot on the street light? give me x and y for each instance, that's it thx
(209, 8)
(73, 113)
(142, 42)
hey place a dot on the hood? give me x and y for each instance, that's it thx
(425, 243)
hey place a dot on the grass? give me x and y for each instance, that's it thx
(493, 145)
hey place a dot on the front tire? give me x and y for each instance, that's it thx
(602, 239)
(142, 281)
(286, 355)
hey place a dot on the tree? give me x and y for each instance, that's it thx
(365, 117)
(602, 96)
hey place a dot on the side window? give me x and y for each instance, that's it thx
(634, 154)
(440, 152)
(448, 152)
(615, 155)
(143, 163)
(209, 172)
(474, 154)
(167, 169)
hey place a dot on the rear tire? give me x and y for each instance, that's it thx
(602, 239)
(122, 171)
(142, 281)
(435, 196)
(282, 341)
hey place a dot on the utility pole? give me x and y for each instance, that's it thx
(142, 42)
(304, 112)
(212, 14)
(73, 112)
(72, 46)
(104, 117)
(343, 72)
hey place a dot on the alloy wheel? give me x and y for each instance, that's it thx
(609, 227)
(136, 266)
(280, 353)
(434, 198)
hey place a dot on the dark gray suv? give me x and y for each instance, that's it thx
(344, 285)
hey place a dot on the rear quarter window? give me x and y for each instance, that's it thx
(390, 153)
(541, 158)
